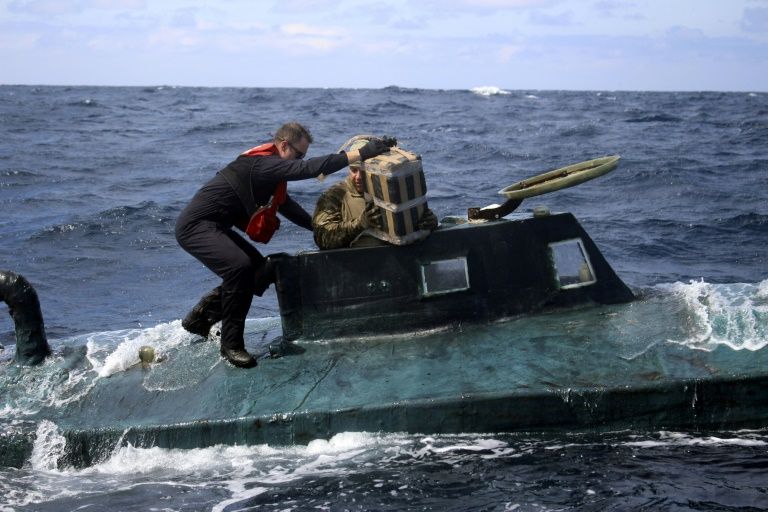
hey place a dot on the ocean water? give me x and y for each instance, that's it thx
(91, 182)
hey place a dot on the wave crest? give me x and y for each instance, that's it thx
(732, 315)
(489, 90)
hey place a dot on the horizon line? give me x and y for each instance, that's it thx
(391, 86)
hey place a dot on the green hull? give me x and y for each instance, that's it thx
(588, 360)
(577, 370)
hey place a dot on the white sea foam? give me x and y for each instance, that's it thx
(271, 464)
(474, 445)
(115, 351)
(239, 461)
(129, 460)
(59, 382)
(248, 471)
(45, 385)
(244, 472)
(681, 439)
(489, 90)
(48, 447)
(734, 315)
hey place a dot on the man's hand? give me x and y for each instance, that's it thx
(389, 141)
(428, 221)
(371, 216)
(373, 148)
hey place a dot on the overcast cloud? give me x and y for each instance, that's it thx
(511, 44)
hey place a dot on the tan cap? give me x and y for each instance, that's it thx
(357, 145)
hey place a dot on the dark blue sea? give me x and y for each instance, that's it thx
(93, 178)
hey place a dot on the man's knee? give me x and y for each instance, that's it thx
(240, 272)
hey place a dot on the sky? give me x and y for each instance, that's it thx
(669, 45)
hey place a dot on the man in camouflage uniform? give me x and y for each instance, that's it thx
(342, 215)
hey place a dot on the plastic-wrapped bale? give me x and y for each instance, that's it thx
(395, 182)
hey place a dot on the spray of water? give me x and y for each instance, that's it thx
(734, 315)
(48, 447)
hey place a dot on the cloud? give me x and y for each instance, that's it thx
(184, 18)
(755, 20)
(618, 9)
(59, 7)
(420, 43)
(115, 4)
(508, 51)
(301, 29)
(681, 33)
(167, 37)
(302, 6)
(41, 7)
(503, 4)
(408, 24)
(301, 37)
(564, 19)
(441, 8)
(16, 42)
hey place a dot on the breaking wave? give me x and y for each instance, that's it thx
(734, 315)
(489, 90)
(359, 470)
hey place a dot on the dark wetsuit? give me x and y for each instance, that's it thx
(204, 228)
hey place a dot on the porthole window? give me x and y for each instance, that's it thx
(572, 266)
(444, 276)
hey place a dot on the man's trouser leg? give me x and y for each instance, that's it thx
(236, 304)
(204, 314)
(233, 259)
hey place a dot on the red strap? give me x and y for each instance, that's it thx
(264, 150)
(269, 149)
(281, 192)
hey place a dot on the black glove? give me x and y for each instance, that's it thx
(428, 221)
(371, 216)
(373, 148)
(389, 141)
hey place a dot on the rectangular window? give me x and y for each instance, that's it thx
(444, 276)
(572, 265)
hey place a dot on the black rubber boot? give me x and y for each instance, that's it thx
(236, 304)
(238, 357)
(205, 313)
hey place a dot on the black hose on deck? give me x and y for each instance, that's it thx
(31, 344)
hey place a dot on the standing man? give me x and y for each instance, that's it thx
(204, 229)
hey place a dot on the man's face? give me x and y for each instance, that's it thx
(292, 151)
(357, 178)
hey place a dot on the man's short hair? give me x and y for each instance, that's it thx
(293, 133)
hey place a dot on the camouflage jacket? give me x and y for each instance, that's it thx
(338, 218)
